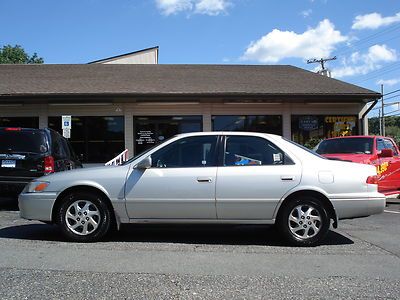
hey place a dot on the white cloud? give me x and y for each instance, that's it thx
(389, 82)
(277, 45)
(306, 13)
(361, 64)
(211, 7)
(374, 21)
(169, 7)
(205, 7)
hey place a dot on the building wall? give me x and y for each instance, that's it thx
(129, 110)
(142, 57)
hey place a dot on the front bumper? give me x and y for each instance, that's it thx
(37, 206)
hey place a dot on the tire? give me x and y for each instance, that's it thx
(84, 217)
(304, 221)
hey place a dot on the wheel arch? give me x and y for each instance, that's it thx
(89, 189)
(323, 198)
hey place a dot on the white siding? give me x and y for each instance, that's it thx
(143, 57)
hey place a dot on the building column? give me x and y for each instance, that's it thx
(206, 112)
(286, 121)
(129, 135)
(43, 116)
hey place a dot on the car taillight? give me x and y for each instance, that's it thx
(372, 179)
(13, 129)
(48, 164)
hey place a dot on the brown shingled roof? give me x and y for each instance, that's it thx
(171, 80)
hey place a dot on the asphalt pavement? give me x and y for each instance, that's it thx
(361, 259)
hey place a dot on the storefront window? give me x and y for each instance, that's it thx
(267, 124)
(95, 139)
(23, 122)
(309, 130)
(150, 131)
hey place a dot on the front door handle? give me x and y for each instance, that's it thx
(204, 179)
(287, 178)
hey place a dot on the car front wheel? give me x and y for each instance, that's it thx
(304, 221)
(84, 217)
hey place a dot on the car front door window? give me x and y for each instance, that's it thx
(189, 152)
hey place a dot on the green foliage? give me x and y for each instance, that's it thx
(392, 127)
(17, 55)
(311, 143)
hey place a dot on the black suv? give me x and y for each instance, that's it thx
(27, 153)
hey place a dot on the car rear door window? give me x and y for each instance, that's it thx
(59, 151)
(251, 151)
(199, 151)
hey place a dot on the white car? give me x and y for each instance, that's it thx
(210, 178)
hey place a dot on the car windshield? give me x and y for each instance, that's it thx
(346, 146)
(22, 141)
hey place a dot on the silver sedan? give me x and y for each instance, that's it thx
(210, 178)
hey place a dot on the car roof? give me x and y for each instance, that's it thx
(356, 136)
(242, 133)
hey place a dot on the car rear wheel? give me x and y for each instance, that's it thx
(304, 221)
(84, 217)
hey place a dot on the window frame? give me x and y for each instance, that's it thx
(215, 161)
(221, 157)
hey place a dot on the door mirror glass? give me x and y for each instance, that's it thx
(386, 153)
(144, 163)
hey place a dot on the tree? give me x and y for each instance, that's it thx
(17, 55)
(392, 127)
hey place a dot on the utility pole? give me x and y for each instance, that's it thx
(380, 121)
(383, 113)
(322, 62)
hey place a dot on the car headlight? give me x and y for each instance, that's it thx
(37, 186)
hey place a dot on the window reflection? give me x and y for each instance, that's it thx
(150, 131)
(267, 124)
(23, 122)
(97, 139)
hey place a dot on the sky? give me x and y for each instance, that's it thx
(364, 35)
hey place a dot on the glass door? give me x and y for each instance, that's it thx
(150, 131)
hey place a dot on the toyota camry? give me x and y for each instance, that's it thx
(209, 178)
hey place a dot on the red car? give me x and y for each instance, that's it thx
(379, 151)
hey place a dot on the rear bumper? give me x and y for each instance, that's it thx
(359, 207)
(36, 206)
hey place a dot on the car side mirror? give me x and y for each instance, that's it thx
(144, 163)
(386, 153)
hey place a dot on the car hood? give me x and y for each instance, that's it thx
(81, 173)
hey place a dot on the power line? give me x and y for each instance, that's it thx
(391, 97)
(342, 53)
(372, 77)
(392, 92)
(386, 104)
(368, 38)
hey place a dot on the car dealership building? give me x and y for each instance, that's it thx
(116, 106)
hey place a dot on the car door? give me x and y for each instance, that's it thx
(254, 176)
(389, 167)
(180, 183)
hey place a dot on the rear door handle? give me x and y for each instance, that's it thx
(287, 178)
(204, 179)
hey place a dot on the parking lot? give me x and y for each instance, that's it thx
(361, 259)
